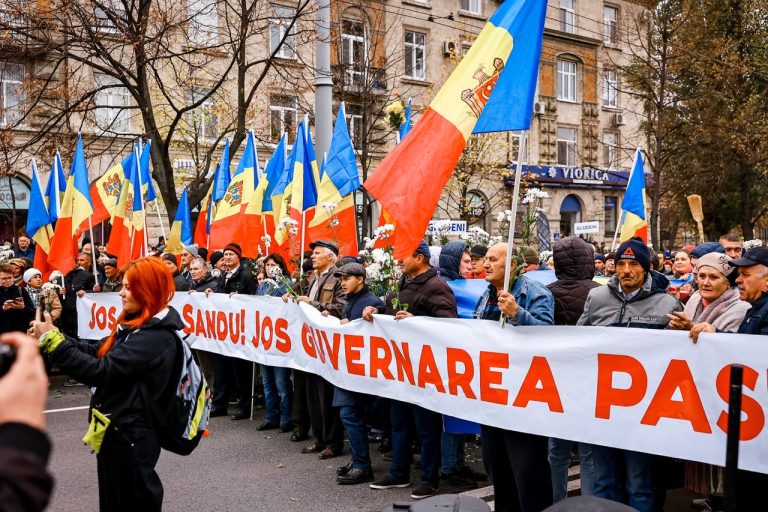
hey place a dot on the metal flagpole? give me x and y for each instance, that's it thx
(143, 204)
(159, 219)
(301, 249)
(93, 251)
(616, 231)
(263, 217)
(515, 200)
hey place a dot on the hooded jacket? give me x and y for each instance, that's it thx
(143, 355)
(180, 282)
(648, 309)
(450, 259)
(574, 268)
(756, 320)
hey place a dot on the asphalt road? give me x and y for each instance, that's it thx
(236, 468)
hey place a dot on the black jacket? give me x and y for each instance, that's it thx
(76, 280)
(145, 355)
(15, 319)
(207, 282)
(24, 482)
(180, 282)
(574, 268)
(756, 320)
(426, 295)
(241, 282)
(450, 259)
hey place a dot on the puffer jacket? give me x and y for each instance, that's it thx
(206, 282)
(145, 355)
(648, 309)
(426, 295)
(450, 259)
(574, 268)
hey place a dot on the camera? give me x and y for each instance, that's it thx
(7, 357)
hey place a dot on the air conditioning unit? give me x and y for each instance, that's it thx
(618, 120)
(449, 47)
(539, 108)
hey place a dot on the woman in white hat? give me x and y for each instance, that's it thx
(43, 296)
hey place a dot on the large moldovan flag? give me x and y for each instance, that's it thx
(633, 221)
(76, 208)
(39, 224)
(126, 240)
(106, 189)
(491, 89)
(181, 229)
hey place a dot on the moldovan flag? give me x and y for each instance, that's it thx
(227, 225)
(126, 240)
(207, 207)
(76, 208)
(54, 189)
(181, 229)
(633, 221)
(492, 89)
(335, 217)
(258, 220)
(39, 224)
(146, 177)
(106, 189)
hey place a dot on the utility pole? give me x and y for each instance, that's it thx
(323, 80)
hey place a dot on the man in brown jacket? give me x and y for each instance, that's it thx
(325, 294)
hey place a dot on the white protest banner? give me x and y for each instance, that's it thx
(649, 391)
(582, 228)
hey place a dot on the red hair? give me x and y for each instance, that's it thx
(151, 285)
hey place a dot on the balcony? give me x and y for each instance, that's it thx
(360, 79)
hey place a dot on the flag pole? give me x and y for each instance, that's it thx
(159, 219)
(143, 203)
(515, 201)
(266, 240)
(93, 251)
(616, 231)
(301, 249)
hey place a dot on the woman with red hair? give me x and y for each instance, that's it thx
(140, 351)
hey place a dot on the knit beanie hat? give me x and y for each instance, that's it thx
(170, 257)
(29, 274)
(235, 248)
(635, 249)
(192, 249)
(216, 256)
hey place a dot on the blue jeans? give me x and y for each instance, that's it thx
(452, 447)
(608, 476)
(429, 426)
(353, 419)
(278, 393)
(559, 460)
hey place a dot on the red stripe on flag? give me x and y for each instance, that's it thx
(63, 246)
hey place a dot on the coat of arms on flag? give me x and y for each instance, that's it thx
(234, 194)
(112, 185)
(476, 98)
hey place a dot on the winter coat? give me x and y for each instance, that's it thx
(725, 313)
(648, 309)
(450, 259)
(353, 310)
(47, 299)
(111, 286)
(24, 482)
(330, 297)
(536, 306)
(426, 295)
(270, 288)
(180, 282)
(242, 281)
(206, 282)
(145, 355)
(574, 268)
(756, 321)
(76, 280)
(15, 319)
(28, 253)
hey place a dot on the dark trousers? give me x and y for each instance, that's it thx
(429, 427)
(126, 469)
(232, 373)
(300, 408)
(353, 419)
(517, 465)
(324, 418)
(68, 321)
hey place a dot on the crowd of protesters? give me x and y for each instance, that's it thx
(712, 287)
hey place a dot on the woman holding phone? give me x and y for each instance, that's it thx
(16, 308)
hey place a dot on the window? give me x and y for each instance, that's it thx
(278, 25)
(567, 16)
(353, 50)
(107, 15)
(611, 203)
(610, 24)
(610, 88)
(477, 209)
(203, 23)
(611, 150)
(515, 147)
(113, 104)
(566, 147)
(203, 119)
(471, 6)
(12, 94)
(354, 117)
(415, 47)
(283, 115)
(566, 80)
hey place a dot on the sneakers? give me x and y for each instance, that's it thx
(458, 481)
(471, 474)
(425, 490)
(389, 482)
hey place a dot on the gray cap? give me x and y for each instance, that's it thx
(351, 269)
(192, 249)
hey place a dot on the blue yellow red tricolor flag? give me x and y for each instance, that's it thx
(127, 239)
(181, 229)
(76, 208)
(633, 219)
(105, 190)
(39, 223)
(491, 89)
(55, 188)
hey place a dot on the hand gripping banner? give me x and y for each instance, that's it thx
(649, 391)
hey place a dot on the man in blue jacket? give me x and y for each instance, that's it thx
(516, 462)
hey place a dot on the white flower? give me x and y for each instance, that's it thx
(533, 194)
(380, 256)
(266, 239)
(274, 272)
(751, 244)
(284, 223)
(373, 271)
(363, 254)
(505, 216)
(334, 223)
(368, 242)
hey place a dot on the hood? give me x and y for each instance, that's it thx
(574, 259)
(450, 258)
(166, 319)
(654, 283)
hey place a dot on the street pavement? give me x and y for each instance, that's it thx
(236, 468)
